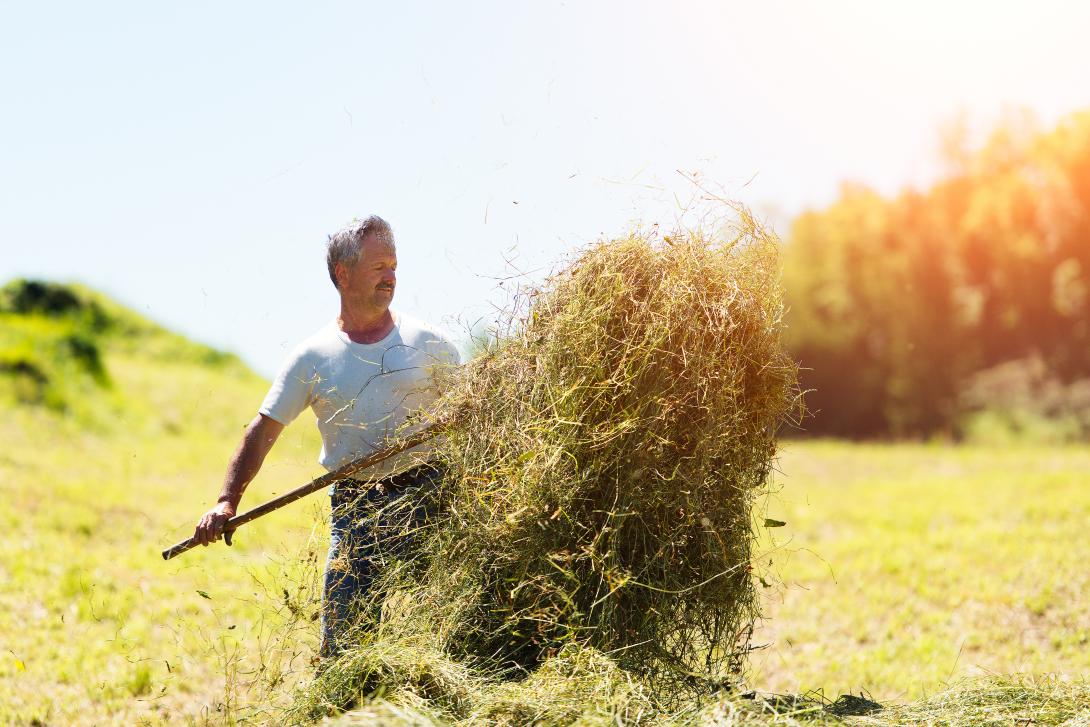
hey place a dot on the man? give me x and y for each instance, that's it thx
(363, 375)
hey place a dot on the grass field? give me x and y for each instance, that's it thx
(96, 627)
(904, 567)
(908, 566)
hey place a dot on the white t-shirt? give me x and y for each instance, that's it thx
(360, 393)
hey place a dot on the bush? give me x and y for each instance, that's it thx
(47, 362)
(1024, 400)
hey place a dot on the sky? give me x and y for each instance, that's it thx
(190, 159)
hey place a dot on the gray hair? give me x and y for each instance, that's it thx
(346, 245)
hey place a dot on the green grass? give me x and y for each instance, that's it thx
(96, 627)
(906, 569)
(907, 566)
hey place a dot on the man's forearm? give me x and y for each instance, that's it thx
(246, 462)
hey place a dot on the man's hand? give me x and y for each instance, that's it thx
(210, 526)
(256, 443)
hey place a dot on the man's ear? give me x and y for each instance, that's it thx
(340, 271)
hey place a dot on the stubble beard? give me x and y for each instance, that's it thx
(382, 298)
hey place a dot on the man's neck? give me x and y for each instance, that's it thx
(365, 326)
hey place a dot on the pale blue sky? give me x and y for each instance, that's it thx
(190, 159)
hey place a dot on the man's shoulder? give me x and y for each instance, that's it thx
(417, 331)
(427, 338)
(321, 344)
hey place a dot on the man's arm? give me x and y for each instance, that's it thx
(256, 442)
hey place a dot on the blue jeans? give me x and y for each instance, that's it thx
(371, 523)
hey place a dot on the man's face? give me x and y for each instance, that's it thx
(371, 280)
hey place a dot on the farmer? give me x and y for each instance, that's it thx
(364, 376)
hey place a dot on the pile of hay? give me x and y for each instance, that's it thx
(601, 478)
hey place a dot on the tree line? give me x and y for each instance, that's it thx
(897, 305)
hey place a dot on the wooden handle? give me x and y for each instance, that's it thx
(314, 485)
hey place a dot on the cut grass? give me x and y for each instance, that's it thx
(606, 455)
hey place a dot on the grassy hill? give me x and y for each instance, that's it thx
(115, 436)
(905, 567)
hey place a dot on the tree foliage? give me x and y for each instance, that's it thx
(895, 303)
